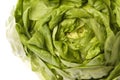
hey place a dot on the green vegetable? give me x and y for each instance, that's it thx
(71, 39)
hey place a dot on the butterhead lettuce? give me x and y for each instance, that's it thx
(71, 39)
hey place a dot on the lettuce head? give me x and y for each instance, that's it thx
(70, 39)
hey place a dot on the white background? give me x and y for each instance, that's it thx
(11, 66)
